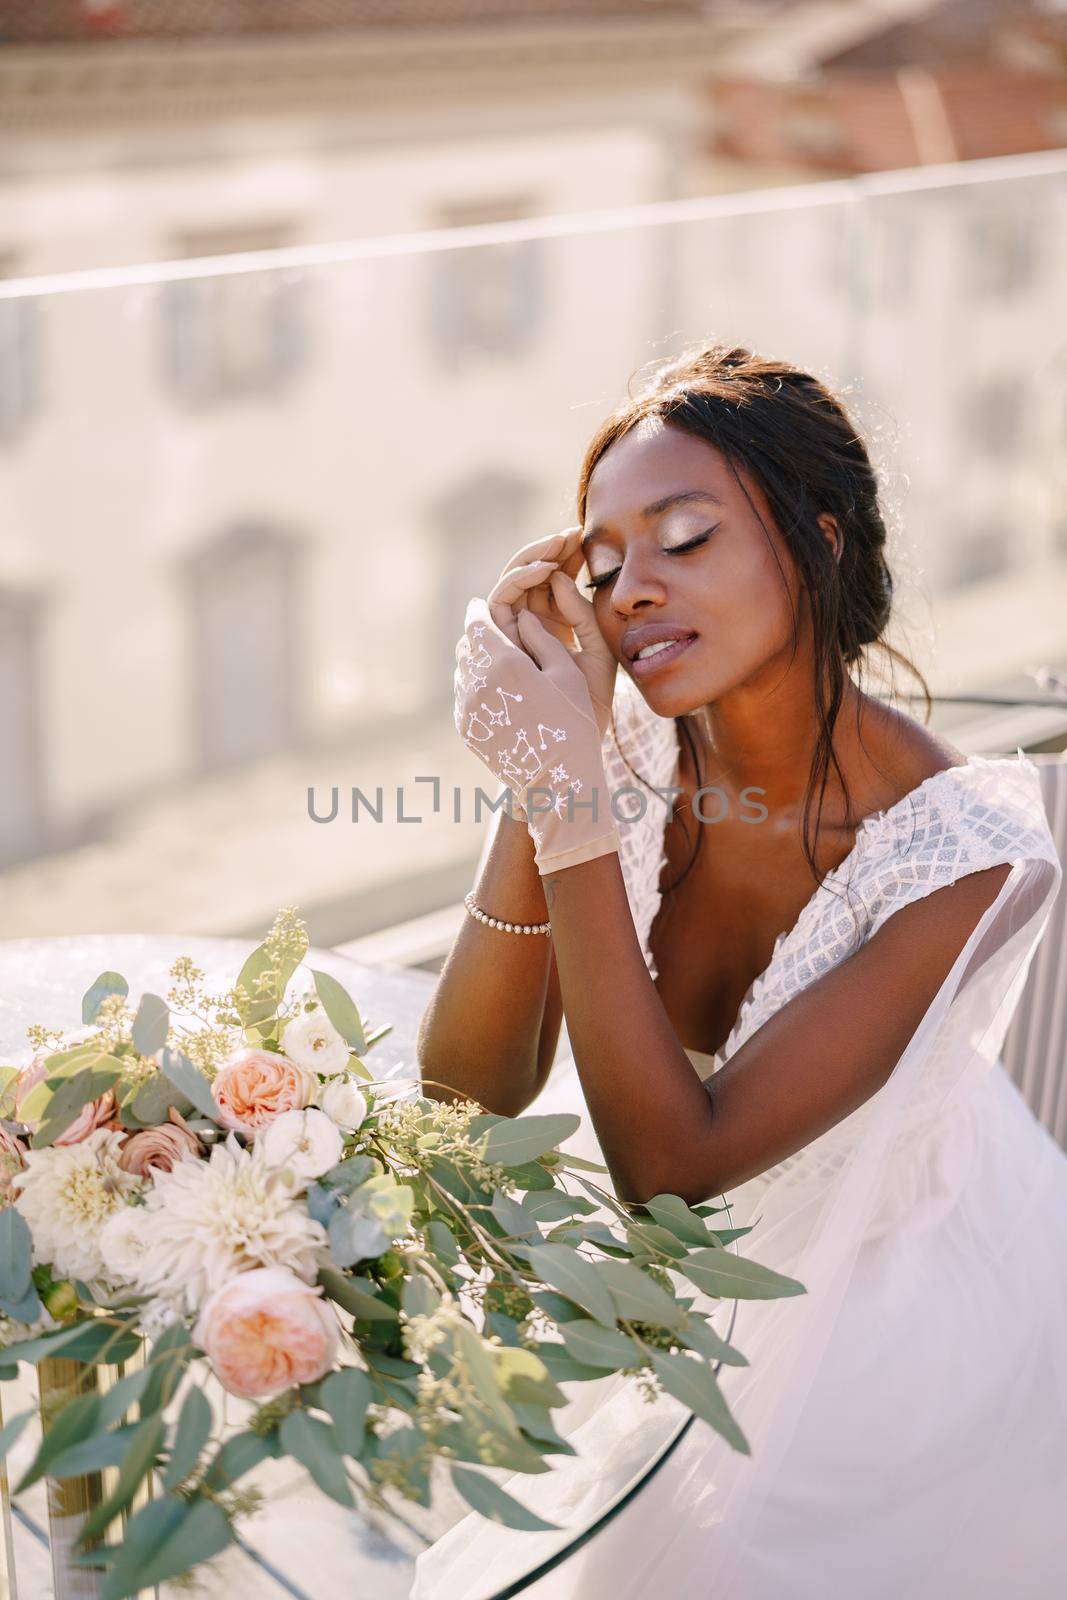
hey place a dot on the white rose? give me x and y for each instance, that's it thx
(122, 1243)
(301, 1145)
(311, 1040)
(344, 1103)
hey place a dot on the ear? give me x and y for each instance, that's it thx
(832, 533)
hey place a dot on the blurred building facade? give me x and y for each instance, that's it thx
(244, 497)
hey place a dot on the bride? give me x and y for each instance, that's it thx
(787, 928)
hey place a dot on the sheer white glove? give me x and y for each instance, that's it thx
(530, 718)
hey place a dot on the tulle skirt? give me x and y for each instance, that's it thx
(929, 1460)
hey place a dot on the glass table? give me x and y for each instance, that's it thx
(301, 1543)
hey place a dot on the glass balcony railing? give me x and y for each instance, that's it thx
(244, 500)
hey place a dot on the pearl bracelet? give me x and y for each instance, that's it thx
(505, 927)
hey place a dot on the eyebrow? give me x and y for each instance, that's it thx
(682, 497)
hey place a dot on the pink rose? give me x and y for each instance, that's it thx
(12, 1160)
(266, 1330)
(94, 1115)
(161, 1148)
(256, 1086)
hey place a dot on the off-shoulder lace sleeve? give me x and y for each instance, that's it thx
(984, 813)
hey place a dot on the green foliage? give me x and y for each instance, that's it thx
(476, 1270)
(106, 984)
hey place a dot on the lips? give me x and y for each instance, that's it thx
(635, 639)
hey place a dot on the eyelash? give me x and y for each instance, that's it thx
(690, 544)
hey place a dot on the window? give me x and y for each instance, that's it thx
(1000, 253)
(978, 552)
(23, 830)
(20, 388)
(237, 334)
(244, 597)
(486, 300)
(993, 417)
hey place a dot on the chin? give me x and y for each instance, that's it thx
(672, 695)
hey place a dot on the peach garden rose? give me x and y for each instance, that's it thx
(255, 1086)
(266, 1330)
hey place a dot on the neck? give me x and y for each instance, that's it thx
(765, 735)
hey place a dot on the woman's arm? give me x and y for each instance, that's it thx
(811, 1064)
(488, 1032)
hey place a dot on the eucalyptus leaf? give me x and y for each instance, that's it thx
(315, 1445)
(598, 1346)
(537, 1421)
(190, 1081)
(701, 1337)
(16, 1255)
(107, 983)
(117, 1400)
(76, 1421)
(564, 1368)
(165, 1539)
(524, 1379)
(154, 1098)
(93, 1454)
(349, 1174)
(672, 1212)
(27, 1310)
(692, 1382)
(720, 1272)
(552, 1205)
(142, 1449)
(195, 1421)
(341, 1010)
(563, 1269)
(89, 1340)
(513, 1218)
(356, 1236)
(494, 1503)
(69, 1098)
(151, 1025)
(241, 1453)
(356, 1295)
(419, 1298)
(346, 1394)
(556, 1306)
(442, 1242)
(635, 1295)
(656, 1242)
(517, 1140)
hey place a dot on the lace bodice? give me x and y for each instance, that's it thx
(984, 813)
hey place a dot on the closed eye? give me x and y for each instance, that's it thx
(670, 550)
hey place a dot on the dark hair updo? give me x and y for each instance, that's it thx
(800, 445)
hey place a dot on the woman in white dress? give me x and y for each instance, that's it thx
(790, 987)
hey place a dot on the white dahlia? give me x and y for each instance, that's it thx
(205, 1221)
(67, 1194)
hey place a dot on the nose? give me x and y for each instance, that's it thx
(637, 585)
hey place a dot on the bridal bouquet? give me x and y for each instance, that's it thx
(215, 1186)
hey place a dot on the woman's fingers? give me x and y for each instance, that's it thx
(507, 595)
(537, 550)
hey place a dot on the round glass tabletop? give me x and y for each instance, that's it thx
(301, 1543)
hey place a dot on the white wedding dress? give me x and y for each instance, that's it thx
(907, 1417)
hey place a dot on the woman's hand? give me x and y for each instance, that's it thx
(539, 580)
(525, 710)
